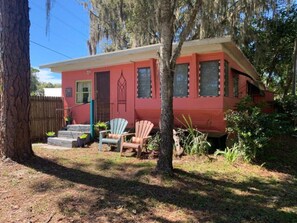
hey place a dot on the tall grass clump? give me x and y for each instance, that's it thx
(230, 154)
(193, 141)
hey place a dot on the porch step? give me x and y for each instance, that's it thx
(65, 142)
(79, 128)
(68, 138)
(70, 134)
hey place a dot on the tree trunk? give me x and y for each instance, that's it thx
(294, 67)
(164, 164)
(15, 140)
(166, 21)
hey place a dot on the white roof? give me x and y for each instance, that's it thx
(204, 46)
(53, 92)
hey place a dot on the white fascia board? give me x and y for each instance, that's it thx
(135, 54)
(238, 56)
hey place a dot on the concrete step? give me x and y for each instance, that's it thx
(79, 128)
(70, 134)
(65, 142)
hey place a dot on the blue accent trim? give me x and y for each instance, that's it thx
(92, 118)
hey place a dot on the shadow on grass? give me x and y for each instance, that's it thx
(202, 198)
(280, 155)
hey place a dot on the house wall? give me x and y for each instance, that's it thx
(207, 113)
(231, 100)
(79, 112)
(115, 73)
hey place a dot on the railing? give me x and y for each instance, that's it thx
(104, 112)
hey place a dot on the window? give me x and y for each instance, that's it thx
(144, 89)
(209, 78)
(180, 80)
(235, 85)
(226, 77)
(83, 91)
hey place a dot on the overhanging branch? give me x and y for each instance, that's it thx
(186, 31)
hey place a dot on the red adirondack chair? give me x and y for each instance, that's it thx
(142, 131)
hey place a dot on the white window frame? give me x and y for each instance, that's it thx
(78, 92)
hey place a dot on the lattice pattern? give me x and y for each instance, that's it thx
(122, 92)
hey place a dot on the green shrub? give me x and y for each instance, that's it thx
(245, 104)
(250, 131)
(68, 119)
(193, 141)
(277, 124)
(288, 106)
(254, 129)
(154, 142)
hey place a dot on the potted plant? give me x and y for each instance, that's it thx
(50, 134)
(83, 140)
(68, 120)
(101, 126)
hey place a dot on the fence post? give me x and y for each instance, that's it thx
(92, 119)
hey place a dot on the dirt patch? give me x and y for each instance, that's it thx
(84, 185)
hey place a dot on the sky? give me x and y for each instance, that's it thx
(66, 39)
(67, 36)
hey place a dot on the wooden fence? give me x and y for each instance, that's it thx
(46, 115)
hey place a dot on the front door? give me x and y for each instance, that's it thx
(103, 96)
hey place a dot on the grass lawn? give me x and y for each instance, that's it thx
(83, 185)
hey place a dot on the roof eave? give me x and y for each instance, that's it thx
(211, 45)
(149, 51)
(237, 55)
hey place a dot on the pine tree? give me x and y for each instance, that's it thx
(15, 141)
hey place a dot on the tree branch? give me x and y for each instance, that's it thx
(186, 31)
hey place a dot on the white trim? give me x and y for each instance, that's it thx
(135, 54)
(211, 45)
(76, 92)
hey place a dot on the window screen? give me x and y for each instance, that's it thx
(180, 81)
(209, 78)
(226, 77)
(144, 89)
(235, 85)
(83, 91)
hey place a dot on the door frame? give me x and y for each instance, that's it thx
(97, 102)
